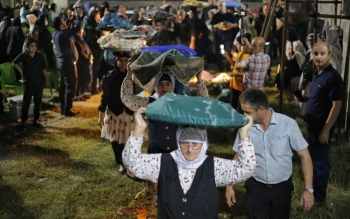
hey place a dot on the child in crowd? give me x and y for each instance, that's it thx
(236, 82)
(34, 74)
(144, 204)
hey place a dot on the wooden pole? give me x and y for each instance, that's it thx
(283, 56)
(270, 20)
(263, 28)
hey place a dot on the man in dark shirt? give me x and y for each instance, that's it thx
(33, 72)
(223, 34)
(67, 56)
(322, 110)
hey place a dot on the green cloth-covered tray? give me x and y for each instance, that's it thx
(194, 111)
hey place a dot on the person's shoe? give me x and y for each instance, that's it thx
(86, 96)
(37, 124)
(22, 126)
(121, 170)
(76, 98)
(69, 114)
(131, 176)
(93, 92)
(82, 98)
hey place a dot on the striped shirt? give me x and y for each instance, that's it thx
(273, 148)
(256, 67)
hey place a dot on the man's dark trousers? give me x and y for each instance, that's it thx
(320, 160)
(37, 93)
(68, 84)
(269, 200)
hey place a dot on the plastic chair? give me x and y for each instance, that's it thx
(50, 29)
(8, 78)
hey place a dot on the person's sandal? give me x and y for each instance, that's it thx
(131, 176)
(37, 124)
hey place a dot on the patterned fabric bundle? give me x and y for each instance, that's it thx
(113, 21)
(155, 14)
(147, 65)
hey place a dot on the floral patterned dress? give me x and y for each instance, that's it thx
(226, 172)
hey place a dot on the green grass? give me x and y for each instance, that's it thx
(71, 173)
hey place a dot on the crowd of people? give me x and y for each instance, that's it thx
(176, 170)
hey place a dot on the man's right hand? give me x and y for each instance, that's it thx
(230, 196)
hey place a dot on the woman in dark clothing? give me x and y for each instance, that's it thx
(201, 32)
(83, 65)
(15, 39)
(5, 24)
(35, 35)
(115, 119)
(91, 36)
(45, 38)
(135, 16)
(164, 36)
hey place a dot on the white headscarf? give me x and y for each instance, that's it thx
(92, 9)
(333, 40)
(299, 52)
(190, 135)
(156, 81)
(310, 47)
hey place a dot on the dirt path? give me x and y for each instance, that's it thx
(11, 135)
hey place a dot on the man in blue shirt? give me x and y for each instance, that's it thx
(274, 135)
(67, 56)
(322, 110)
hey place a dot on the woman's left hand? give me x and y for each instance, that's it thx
(199, 77)
(140, 119)
(141, 122)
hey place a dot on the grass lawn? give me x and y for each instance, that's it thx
(66, 170)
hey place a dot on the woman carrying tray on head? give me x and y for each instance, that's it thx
(115, 119)
(187, 177)
(162, 135)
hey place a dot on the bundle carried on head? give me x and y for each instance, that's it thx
(126, 39)
(194, 3)
(156, 14)
(194, 111)
(113, 21)
(151, 62)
